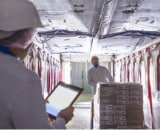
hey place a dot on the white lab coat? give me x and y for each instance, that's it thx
(99, 74)
(21, 102)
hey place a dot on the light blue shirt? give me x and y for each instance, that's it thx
(98, 74)
(22, 105)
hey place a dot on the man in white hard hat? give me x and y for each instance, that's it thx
(22, 105)
(97, 74)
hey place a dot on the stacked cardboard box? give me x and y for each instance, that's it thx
(118, 105)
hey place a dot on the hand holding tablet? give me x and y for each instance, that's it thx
(62, 97)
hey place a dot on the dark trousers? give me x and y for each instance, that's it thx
(92, 114)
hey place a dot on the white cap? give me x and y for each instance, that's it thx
(17, 15)
(4, 34)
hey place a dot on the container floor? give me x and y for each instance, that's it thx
(81, 119)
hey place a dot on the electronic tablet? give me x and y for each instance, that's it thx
(62, 96)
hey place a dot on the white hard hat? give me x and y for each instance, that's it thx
(4, 34)
(17, 15)
(94, 57)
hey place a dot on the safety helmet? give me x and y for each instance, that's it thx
(94, 57)
(17, 15)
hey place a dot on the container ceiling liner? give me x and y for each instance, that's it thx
(98, 26)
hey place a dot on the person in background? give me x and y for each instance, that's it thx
(22, 105)
(97, 74)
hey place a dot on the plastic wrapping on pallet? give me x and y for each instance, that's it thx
(118, 105)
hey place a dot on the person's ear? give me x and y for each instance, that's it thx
(21, 53)
(24, 52)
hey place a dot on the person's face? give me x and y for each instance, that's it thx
(95, 61)
(21, 39)
(28, 37)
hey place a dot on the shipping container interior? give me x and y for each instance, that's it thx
(124, 34)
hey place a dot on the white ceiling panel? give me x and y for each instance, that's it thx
(98, 26)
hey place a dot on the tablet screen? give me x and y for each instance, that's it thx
(63, 95)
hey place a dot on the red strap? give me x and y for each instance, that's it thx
(124, 70)
(52, 80)
(48, 81)
(32, 63)
(128, 69)
(60, 74)
(139, 72)
(39, 68)
(128, 72)
(139, 67)
(121, 71)
(134, 79)
(39, 63)
(149, 90)
(158, 72)
(55, 77)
